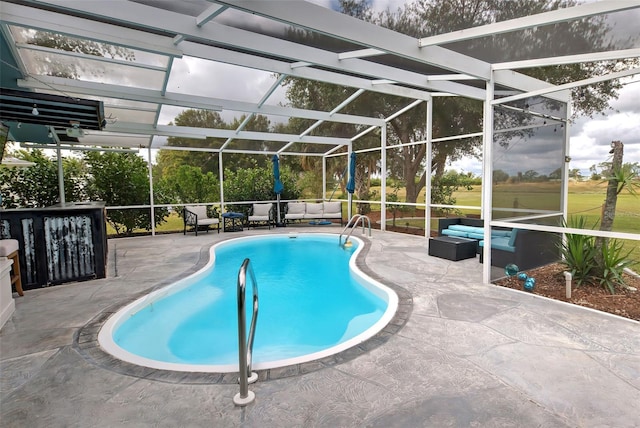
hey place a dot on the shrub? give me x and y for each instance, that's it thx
(578, 251)
(613, 264)
(579, 255)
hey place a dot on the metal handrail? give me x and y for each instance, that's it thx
(245, 348)
(354, 221)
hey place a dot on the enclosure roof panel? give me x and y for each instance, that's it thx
(136, 57)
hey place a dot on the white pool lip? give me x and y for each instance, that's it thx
(105, 336)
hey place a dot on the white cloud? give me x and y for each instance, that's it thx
(591, 138)
(194, 76)
(629, 100)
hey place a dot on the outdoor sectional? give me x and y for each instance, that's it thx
(525, 248)
(313, 211)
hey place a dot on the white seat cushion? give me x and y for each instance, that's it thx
(207, 221)
(332, 210)
(200, 211)
(296, 208)
(8, 246)
(313, 210)
(261, 210)
(258, 218)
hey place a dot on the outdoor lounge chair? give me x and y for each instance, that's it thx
(197, 217)
(260, 214)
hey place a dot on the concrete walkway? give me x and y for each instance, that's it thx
(468, 355)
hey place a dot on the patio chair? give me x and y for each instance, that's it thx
(197, 217)
(260, 214)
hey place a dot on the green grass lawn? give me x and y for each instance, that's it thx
(173, 223)
(585, 199)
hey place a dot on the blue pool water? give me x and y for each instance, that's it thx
(312, 301)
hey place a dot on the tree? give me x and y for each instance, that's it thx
(445, 185)
(575, 174)
(122, 179)
(499, 176)
(452, 115)
(255, 183)
(556, 174)
(37, 186)
(441, 16)
(169, 160)
(188, 184)
(72, 69)
(595, 175)
(608, 261)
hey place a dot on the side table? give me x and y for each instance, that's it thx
(232, 222)
(452, 248)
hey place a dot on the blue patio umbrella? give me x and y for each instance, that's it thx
(351, 184)
(278, 187)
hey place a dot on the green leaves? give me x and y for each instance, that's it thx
(613, 263)
(578, 251)
(579, 254)
(256, 184)
(188, 184)
(37, 186)
(122, 179)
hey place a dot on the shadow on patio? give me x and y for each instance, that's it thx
(469, 354)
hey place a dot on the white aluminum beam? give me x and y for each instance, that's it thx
(165, 21)
(569, 59)
(344, 27)
(184, 100)
(363, 133)
(571, 85)
(276, 66)
(541, 19)
(525, 83)
(450, 77)
(402, 110)
(487, 179)
(264, 99)
(362, 53)
(84, 56)
(53, 21)
(22, 69)
(209, 14)
(200, 133)
(26, 16)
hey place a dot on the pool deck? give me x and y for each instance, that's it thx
(468, 355)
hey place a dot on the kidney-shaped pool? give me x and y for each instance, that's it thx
(314, 302)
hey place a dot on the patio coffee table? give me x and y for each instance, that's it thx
(232, 222)
(452, 248)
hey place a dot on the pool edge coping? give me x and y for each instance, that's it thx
(85, 339)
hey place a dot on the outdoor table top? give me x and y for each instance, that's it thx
(232, 215)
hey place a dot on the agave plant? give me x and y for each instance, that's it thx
(613, 263)
(578, 251)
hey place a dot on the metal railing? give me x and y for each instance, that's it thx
(353, 223)
(245, 348)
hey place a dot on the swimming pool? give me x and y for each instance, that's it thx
(314, 302)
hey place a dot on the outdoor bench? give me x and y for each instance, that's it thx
(313, 211)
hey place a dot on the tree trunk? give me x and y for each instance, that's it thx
(609, 207)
